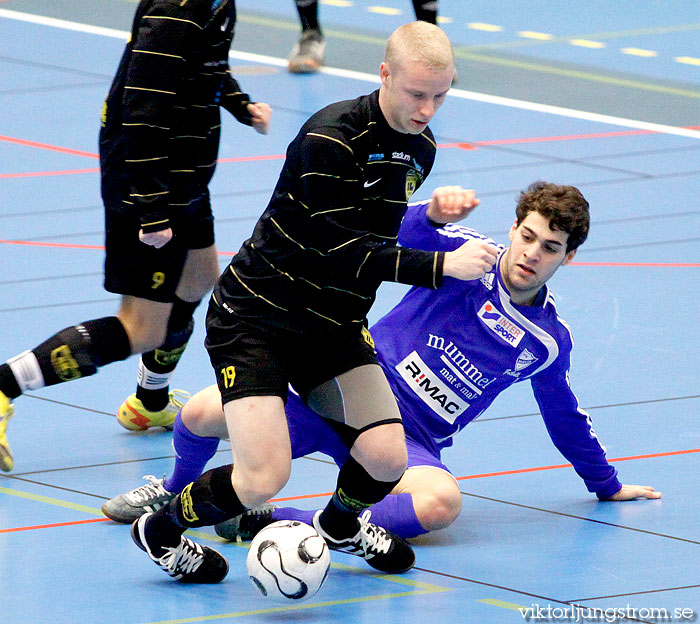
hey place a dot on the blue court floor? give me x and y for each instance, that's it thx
(604, 96)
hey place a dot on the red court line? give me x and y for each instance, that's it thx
(51, 526)
(514, 472)
(557, 466)
(40, 244)
(46, 146)
(463, 145)
(320, 494)
(638, 264)
(39, 174)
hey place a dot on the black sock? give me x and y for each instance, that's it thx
(357, 490)
(8, 384)
(72, 353)
(426, 10)
(157, 364)
(308, 14)
(209, 500)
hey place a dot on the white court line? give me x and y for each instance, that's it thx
(355, 75)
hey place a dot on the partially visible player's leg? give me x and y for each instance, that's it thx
(361, 401)
(148, 325)
(253, 386)
(191, 269)
(198, 427)
(7, 460)
(426, 10)
(262, 457)
(308, 53)
(72, 353)
(435, 502)
(199, 275)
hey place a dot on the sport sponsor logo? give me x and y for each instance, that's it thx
(401, 156)
(64, 364)
(488, 280)
(428, 386)
(504, 328)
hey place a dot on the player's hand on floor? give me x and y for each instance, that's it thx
(261, 113)
(630, 492)
(470, 261)
(156, 239)
(451, 203)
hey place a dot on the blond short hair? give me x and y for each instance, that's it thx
(419, 42)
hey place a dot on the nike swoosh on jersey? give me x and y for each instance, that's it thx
(368, 184)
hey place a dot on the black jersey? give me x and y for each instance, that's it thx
(328, 236)
(161, 122)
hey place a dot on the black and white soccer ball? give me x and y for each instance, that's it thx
(288, 560)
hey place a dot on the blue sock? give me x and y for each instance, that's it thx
(193, 452)
(396, 513)
(292, 513)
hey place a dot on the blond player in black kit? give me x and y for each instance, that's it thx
(291, 309)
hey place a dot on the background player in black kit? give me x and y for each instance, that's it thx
(158, 148)
(291, 308)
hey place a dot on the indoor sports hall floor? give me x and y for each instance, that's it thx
(601, 95)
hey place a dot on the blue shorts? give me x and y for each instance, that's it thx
(310, 433)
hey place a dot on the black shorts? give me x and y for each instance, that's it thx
(133, 268)
(249, 361)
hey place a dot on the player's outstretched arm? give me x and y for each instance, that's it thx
(450, 204)
(630, 492)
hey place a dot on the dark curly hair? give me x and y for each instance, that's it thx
(564, 206)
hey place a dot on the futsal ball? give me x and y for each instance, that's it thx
(288, 560)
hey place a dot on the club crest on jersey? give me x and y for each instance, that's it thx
(524, 360)
(504, 328)
(412, 181)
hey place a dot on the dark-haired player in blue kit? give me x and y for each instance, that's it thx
(447, 353)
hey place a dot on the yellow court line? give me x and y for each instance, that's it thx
(51, 501)
(381, 10)
(539, 36)
(689, 60)
(296, 607)
(503, 604)
(586, 43)
(620, 34)
(485, 27)
(639, 52)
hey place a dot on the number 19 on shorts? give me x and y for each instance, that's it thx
(228, 375)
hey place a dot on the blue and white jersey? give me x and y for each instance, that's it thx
(467, 342)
